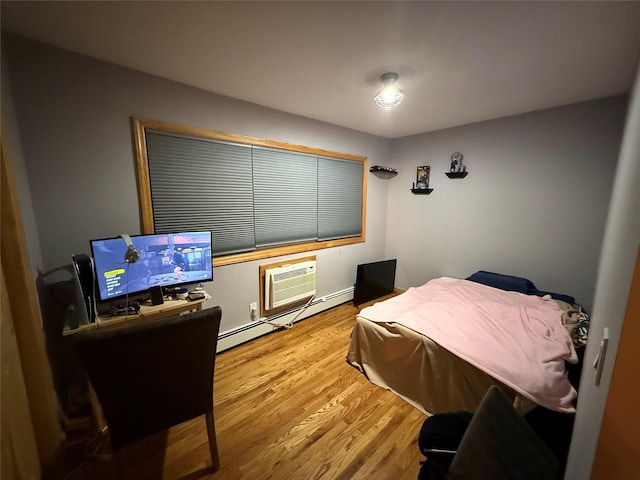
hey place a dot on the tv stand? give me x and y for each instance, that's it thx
(147, 313)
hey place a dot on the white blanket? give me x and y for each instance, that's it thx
(518, 339)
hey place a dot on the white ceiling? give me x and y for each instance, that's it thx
(459, 62)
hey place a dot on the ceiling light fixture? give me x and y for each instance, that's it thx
(390, 95)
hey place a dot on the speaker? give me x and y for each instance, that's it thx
(132, 254)
(156, 296)
(85, 308)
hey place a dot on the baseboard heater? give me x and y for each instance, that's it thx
(253, 330)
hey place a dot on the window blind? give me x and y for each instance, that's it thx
(285, 189)
(200, 184)
(250, 196)
(339, 198)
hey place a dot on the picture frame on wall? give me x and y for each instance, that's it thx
(422, 176)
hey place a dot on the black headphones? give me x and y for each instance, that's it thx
(132, 254)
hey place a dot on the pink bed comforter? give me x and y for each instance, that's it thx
(518, 339)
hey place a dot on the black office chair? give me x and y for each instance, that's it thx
(496, 443)
(153, 376)
(500, 444)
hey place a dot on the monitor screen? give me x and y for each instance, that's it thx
(166, 260)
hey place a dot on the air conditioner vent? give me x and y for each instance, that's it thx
(289, 284)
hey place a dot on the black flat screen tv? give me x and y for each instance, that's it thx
(374, 280)
(166, 260)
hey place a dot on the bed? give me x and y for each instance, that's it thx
(441, 346)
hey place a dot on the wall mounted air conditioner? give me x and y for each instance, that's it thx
(289, 284)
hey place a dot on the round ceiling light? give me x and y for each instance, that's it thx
(390, 94)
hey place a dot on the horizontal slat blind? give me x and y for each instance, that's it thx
(285, 196)
(339, 198)
(250, 193)
(200, 184)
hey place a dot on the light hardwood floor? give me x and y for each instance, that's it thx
(288, 406)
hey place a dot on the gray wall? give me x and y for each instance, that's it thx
(73, 118)
(15, 158)
(533, 204)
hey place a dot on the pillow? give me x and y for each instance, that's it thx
(515, 284)
(503, 282)
(557, 296)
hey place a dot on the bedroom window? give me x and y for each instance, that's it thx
(260, 198)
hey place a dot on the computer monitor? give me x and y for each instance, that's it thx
(166, 260)
(374, 280)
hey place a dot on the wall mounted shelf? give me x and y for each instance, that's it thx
(456, 174)
(383, 172)
(421, 191)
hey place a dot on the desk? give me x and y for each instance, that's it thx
(148, 313)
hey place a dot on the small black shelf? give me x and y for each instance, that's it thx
(383, 172)
(456, 174)
(421, 191)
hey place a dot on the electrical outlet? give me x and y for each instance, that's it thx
(253, 311)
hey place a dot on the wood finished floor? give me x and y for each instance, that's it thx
(289, 407)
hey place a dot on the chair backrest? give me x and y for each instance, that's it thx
(152, 376)
(499, 444)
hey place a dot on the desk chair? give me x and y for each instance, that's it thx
(499, 444)
(153, 376)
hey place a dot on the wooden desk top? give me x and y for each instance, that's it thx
(148, 313)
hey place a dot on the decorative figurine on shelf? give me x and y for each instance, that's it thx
(422, 177)
(456, 163)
